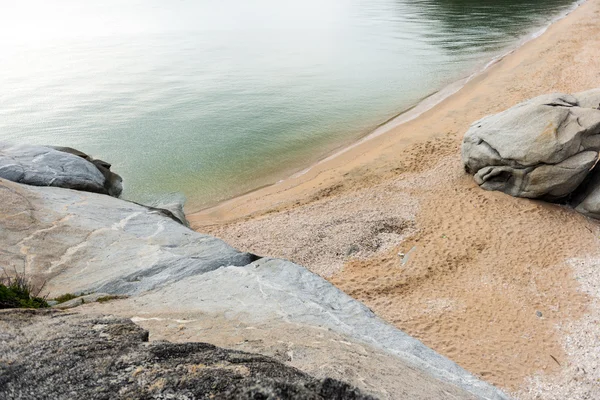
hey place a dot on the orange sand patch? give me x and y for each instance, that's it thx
(482, 268)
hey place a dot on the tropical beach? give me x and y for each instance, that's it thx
(503, 286)
(385, 200)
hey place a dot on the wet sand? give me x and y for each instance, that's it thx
(493, 282)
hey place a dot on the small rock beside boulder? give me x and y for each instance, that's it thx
(172, 205)
(543, 148)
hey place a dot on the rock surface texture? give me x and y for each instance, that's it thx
(542, 148)
(85, 242)
(179, 280)
(57, 166)
(57, 355)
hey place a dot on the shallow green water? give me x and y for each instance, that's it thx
(213, 99)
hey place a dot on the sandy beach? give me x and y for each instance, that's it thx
(508, 288)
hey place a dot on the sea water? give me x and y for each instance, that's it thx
(216, 98)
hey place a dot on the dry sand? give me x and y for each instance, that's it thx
(506, 287)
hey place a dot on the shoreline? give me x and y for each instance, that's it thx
(409, 114)
(433, 99)
(398, 225)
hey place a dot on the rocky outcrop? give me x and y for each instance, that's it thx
(171, 205)
(542, 148)
(56, 355)
(272, 289)
(57, 166)
(86, 242)
(83, 242)
(545, 148)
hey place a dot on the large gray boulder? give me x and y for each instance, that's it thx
(82, 242)
(541, 148)
(85, 242)
(57, 166)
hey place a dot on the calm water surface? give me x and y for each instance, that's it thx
(215, 98)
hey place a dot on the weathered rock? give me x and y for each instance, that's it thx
(131, 248)
(176, 209)
(84, 242)
(542, 148)
(60, 167)
(268, 289)
(173, 205)
(113, 183)
(65, 167)
(170, 210)
(55, 355)
(589, 98)
(586, 199)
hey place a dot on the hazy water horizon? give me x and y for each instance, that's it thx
(214, 100)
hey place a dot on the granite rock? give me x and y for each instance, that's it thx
(86, 242)
(57, 355)
(60, 167)
(589, 98)
(541, 148)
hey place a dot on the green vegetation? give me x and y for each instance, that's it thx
(66, 297)
(18, 292)
(109, 298)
